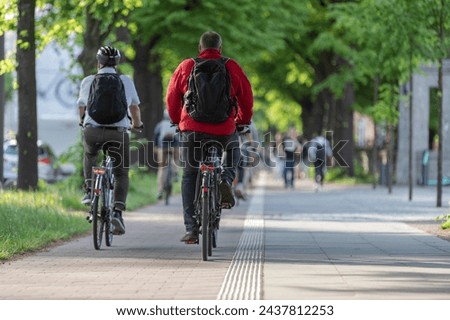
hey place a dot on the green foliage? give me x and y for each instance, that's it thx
(271, 111)
(391, 38)
(445, 219)
(8, 12)
(143, 189)
(340, 175)
(247, 27)
(279, 43)
(386, 107)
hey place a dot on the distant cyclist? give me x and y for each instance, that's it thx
(106, 100)
(319, 152)
(249, 159)
(166, 144)
(217, 120)
(291, 149)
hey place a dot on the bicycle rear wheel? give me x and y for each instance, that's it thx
(205, 224)
(97, 223)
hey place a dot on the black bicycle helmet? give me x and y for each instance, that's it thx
(108, 56)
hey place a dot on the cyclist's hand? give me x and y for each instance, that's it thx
(177, 127)
(243, 128)
(82, 120)
(137, 128)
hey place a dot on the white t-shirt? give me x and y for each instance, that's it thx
(325, 143)
(130, 93)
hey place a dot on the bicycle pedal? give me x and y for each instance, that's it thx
(89, 218)
(191, 242)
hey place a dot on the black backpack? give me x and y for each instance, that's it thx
(107, 102)
(208, 98)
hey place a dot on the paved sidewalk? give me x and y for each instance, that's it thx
(341, 243)
(353, 243)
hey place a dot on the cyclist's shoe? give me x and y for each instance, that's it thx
(86, 198)
(117, 221)
(227, 195)
(240, 194)
(190, 237)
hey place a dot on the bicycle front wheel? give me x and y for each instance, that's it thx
(108, 228)
(210, 240)
(210, 226)
(97, 224)
(214, 231)
(108, 205)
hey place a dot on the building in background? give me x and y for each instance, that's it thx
(56, 99)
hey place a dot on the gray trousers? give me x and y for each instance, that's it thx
(118, 145)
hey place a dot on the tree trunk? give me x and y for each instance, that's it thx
(2, 106)
(26, 74)
(375, 136)
(441, 107)
(390, 153)
(311, 118)
(410, 142)
(344, 127)
(93, 39)
(439, 155)
(148, 80)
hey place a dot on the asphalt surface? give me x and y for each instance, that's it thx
(342, 243)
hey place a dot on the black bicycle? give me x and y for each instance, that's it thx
(102, 204)
(207, 195)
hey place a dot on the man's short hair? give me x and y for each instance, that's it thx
(210, 39)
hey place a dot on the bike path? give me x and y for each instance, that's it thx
(148, 262)
(340, 243)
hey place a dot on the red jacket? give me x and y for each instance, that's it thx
(240, 88)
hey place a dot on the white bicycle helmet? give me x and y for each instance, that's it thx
(108, 56)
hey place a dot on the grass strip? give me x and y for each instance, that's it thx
(33, 220)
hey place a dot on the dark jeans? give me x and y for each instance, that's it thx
(319, 171)
(191, 156)
(288, 173)
(119, 149)
(319, 165)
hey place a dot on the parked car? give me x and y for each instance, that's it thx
(46, 161)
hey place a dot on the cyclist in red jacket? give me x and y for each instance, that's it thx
(210, 47)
